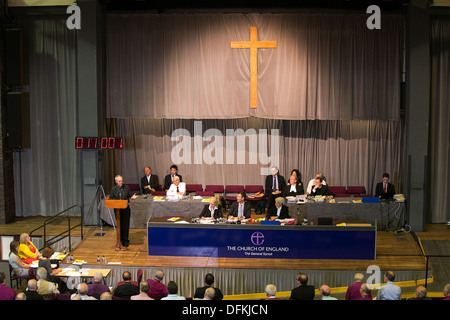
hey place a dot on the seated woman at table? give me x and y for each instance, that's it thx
(279, 211)
(27, 251)
(212, 210)
(45, 262)
(20, 268)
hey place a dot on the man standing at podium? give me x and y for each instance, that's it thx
(122, 192)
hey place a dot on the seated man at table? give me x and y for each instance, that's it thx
(169, 178)
(312, 182)
(320, 188)
(177, 189)
(273, 186)
(212, 210)
(240, 208)
(149, 181)
(384, 189)
(279, 211)
(293, 189)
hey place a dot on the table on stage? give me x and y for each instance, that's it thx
(79, 272)
(253, 240)
(388, 214)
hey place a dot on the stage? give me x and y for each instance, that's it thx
(399, 252)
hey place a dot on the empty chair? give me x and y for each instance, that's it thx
(134, 187)
(158, 193)
(204, 193)
(338, 191)
(251, 190)
(214, 188)
(193, 188)
(356, 190)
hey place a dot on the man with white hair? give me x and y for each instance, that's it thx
(82, 292)
(177, 188)
(274, 186)
(97, 288)
(353, 292)
(271, 291)
(45, 287)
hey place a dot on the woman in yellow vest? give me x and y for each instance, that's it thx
(27, 251)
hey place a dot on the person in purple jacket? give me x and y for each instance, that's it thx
(6, 293)
(157, 290)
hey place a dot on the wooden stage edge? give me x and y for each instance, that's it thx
(394, 252)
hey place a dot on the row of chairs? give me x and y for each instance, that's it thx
(349, 191)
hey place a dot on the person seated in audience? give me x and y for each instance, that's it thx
(209, 294)
(6, 293)
(312, 182)
(353, 292)
(19, 267)
(319, 188)
(273, 187)
(172, 287)
(446, 292)
(31, 292)
(280, 211)
(144, 287)
(303, 291)
(177, 189)
(149, 182)
(271, 291)
(389, 291)
(212, 210)
(27, 251)
(420, 294)
(168, 179)
(97, 288)
(21, 296)
(45, 287)
(45, 262)
(82, 292)
(240, 208)
(157, 290)
(127, 289)
(106, 296)
(365, 292)
(293, 188)
(385, 189)
(209, 280)
(325, 292)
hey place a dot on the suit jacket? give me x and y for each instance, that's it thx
(207, 213)
(168, 181)
(379, 191)
(200, 293)
(322, 191)
(284, 214)
(269, 182)
(234, 209)
(154, 183)
(121, 193)
(303, 292)
(288, 193)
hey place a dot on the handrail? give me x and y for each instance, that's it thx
(46, 222)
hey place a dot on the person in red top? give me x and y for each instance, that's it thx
(157, 290)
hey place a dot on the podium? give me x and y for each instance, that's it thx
(117, 205)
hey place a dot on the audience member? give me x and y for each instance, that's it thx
(27, 251)
(157, 290)
(172, 287)
(31, 292)
(271, 291)
(325, 292)
(446, 292)
(82, 292)
(365, 292)
(127, 289)
(303, 291)
(209, 294)
(209, 280)
(6, 293)
(19, 267)
(21, 296)
(144, 287)
(389, 291)
(106, 296)
(97, 288)
(353, 292)
(45, 287)
(420, 294)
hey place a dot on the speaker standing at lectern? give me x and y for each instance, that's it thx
(122, 192)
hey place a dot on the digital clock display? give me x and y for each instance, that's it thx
(95, 143)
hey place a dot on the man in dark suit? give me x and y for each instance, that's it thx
(279, 211)
(274, 187)
(200, 292)
(384, 189)
(149, 182)
(319, 188)
(294, 188)
(240, 208)
(169, 177)
(303, 291)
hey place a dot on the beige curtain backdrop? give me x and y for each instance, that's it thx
(181, 66)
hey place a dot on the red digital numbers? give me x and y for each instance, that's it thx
(94, 143)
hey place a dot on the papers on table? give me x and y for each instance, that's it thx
(158, 199)
(197, 197)
(71, 272)
(173, 219)
(206, 200)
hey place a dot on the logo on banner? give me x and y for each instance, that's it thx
(257, 238)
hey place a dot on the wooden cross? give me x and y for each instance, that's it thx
(253, 45)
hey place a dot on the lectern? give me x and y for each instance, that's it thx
(117, 205)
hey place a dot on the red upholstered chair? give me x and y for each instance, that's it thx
(356, 190)
(193, 188)
(17, 278)
(338, 191)
(231, 192)
(250, 190)
(204, 193)
(214, 188)
(134, 187)
(140, 273)
(158, 193)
